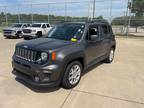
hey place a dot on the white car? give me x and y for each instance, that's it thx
(36, 30)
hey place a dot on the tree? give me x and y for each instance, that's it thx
(137, 7)
(2, 17)
(100, 17)
(120, 21)
(136, 22)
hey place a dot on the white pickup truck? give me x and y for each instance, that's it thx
(36, 30)
(15, 30)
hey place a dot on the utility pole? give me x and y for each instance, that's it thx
(19, 15)
(111, 12)
(89, 8)
(6, 15)
(65, 10)
(31, 13)
(94, 9)
(129, 21)
(48, 13)
(130, 4)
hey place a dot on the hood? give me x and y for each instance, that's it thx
(11, 28)
(44, 44)
(33, 28)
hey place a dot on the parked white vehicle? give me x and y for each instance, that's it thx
(36, 30)
(15, 30)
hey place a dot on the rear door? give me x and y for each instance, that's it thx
(105, 37)
(44, 27)
(48, 28)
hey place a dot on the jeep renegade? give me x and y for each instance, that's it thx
(62, 56)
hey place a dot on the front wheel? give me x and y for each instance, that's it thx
(39, 34)
(20, 36)
(111, 56)
(72, 75)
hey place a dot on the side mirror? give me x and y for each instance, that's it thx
(94, 37)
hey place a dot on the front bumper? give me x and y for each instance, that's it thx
(10, 35)
(29, 35)
(31, 82)
(37, 75)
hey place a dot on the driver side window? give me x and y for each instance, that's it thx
(43, 26)
(93, 31)
(25, 26)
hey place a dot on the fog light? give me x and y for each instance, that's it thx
(46, 77)
(36, 79)
(45, 80)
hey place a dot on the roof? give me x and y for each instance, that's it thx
(40, 23)
(21, 23)
(88, 22)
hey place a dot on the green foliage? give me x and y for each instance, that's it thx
(100, 17)
(138, 7)
(137, 20)
(2, 18)
(120, 21)
(26, 18)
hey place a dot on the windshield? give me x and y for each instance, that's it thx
(67, 31)
(17, 25)
(36, 25)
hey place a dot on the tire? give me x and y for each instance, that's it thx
(20, 36)
(110, 57)
(71, 79)
(39, 34)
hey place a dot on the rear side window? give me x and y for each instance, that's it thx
(110, 29)
(105, 29)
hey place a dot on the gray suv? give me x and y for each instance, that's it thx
(62, 56)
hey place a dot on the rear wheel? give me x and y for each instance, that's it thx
(111, 56)
(72, 75)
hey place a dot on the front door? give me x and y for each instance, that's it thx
(93, 47)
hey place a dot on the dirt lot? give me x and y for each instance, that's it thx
(116, 85)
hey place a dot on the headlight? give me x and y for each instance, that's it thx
(33, 30)
(44, 56)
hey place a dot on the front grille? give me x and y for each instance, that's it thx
(7, 31)
(27, 31)
(26, 54)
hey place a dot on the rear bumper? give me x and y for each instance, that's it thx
(37, 75)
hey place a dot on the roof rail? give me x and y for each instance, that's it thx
(99, 20)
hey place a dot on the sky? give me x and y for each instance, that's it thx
(73, 9)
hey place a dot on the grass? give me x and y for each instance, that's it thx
(1, 28)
